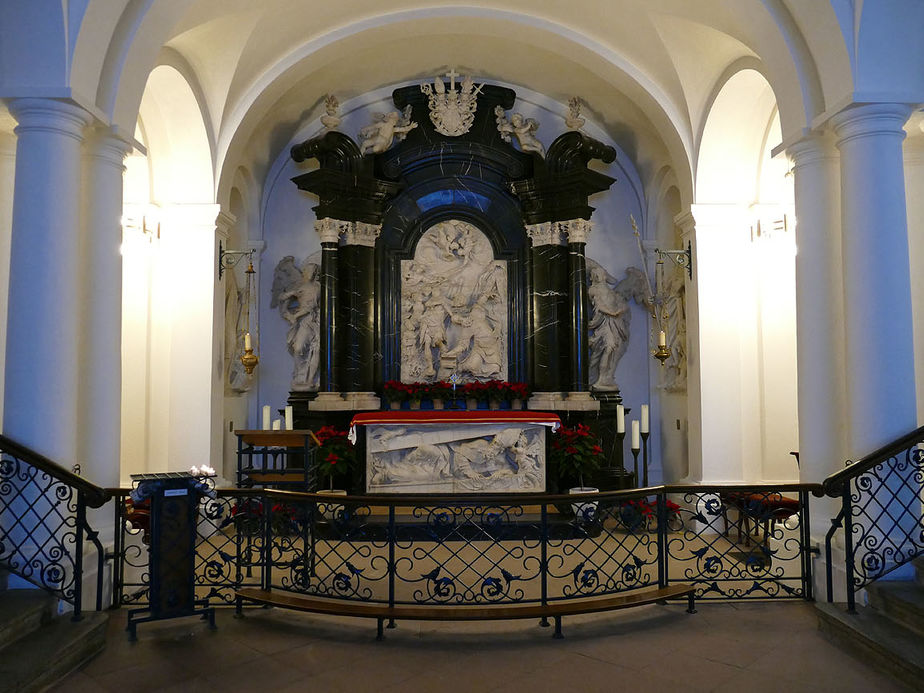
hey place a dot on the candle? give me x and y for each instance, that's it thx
(266, 417)
(277, 424)
(644, 426)
(620, 419)
(248, 345)
(289, 419)
(662, 338)
(635, 445)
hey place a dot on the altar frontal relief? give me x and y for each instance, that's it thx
(464, 458)
(453, 307)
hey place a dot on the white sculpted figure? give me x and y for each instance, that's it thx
(523, 129)
(387, 127)
(675, 368)
(480, 340)
(573, 120)
(608, 327)
(296, 293)
(331, 117)
(235, 314)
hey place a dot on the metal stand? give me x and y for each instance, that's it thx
(635, 462)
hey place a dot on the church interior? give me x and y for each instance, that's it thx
(450, 264)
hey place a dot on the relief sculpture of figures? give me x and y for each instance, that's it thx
(675, 368)
(454, 307)
(235, 314)
(386, 128)
(608, 327)
(523, 129)
(296, 293)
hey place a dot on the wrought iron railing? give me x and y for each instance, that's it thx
(731, 542)
(43, 523)
(881, 513)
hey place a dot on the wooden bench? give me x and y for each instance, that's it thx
(381, 612)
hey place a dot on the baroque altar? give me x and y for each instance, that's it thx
(454, 451)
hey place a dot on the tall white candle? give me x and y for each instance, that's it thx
(620, 419)
(662, 338)
(290, 424)
(635, 443)
(266, 417)
(277, 424)
(247, 343)
(644, 418)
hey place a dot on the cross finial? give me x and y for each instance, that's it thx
(452, 74)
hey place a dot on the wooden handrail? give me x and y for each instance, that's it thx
(94, 495)
(833, 485)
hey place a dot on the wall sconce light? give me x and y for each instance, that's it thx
(227, 259)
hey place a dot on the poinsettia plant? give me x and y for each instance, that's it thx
(574, 451)
(336, 456)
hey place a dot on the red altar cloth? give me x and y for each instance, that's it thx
(437, 416)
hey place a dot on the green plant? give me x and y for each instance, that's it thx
(573, 453)
(336, 456)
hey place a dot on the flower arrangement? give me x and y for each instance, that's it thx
(336, 456)
(573, 452)
(641, 512)
(500, 390)
(247, 514)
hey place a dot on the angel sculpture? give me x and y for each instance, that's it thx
(609, 321)
(574, 121)
(523, 129)
(386, 127)
(331, 118)
(296, 293)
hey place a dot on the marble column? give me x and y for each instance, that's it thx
(577, 232)
(549, 305)
(879, 354)
(357, 310)
(329, 231)
(100, 389)
(819, 317)
(41, 388)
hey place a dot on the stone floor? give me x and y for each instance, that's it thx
(749, 647)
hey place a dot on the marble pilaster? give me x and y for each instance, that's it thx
(577, 232)
(550, 309)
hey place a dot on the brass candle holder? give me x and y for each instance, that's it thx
(662, 353)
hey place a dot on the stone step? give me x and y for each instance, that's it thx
(900, 600)
(3, 579)
(877, 640)
(22, 612)
(918, 564)
(52, 652)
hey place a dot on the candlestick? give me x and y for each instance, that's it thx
(247, 343)
(277, 424)
(635, 432)
(635, 464)
(620, 419)
(644, 423)
(266, 417)
(290, 418)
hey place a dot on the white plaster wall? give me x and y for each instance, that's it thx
(914, 196)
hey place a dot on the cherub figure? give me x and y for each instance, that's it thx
(331, 119)
(379, 136)
(523, 129)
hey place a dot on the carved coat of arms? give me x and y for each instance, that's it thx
(452, 112)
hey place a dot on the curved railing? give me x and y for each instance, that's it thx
(739, 542)
(43, 522)
(881, 512)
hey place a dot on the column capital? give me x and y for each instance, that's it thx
(870, 119)
(49, 115)
(329, 230)
(544, 233)
(812, 149)
(361, 233)
(223, 223)
(686, 222)
(576, 230)
(105, 146)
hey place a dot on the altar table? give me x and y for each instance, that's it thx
(479, 451)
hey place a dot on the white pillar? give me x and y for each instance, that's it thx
(40, 397)
(687, 225)
(914, 194)
(7, 177)
(877, 285)
(100, 392)
(819, 318)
